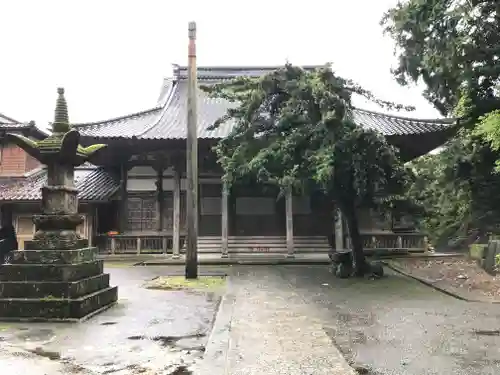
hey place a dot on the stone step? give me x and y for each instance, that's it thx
(264, 238)
(50, 272)
(262, 244)
(56, 309)
(56, 289)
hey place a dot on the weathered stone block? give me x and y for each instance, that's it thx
(82, 255)
(33, 245)
(50, 272)
(58, 200)
(53, 289)
(56, 309)
(489, 257)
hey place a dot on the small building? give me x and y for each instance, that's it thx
(134, 197)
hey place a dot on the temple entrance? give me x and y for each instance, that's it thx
(256, 211)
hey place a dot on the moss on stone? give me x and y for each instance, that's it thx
(476, 251)
(181, 283)
(117, 264)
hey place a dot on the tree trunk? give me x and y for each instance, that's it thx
(360, 265)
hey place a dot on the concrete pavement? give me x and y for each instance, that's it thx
(273, 320)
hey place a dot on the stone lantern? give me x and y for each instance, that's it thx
(57, 277)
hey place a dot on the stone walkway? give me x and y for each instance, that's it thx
(265, 327)
(279, 319)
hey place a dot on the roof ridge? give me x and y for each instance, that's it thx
(180, 71)
(9, 119)
(168, 99)
(244, 67)
(118, 118)
(135, 114)
(34, 171)
(404, 118)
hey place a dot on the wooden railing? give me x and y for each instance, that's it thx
(162, 244)
(395, 241)
(135, 244)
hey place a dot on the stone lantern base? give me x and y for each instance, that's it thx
(54, 285)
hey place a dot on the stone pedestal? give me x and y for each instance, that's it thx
(54, 285)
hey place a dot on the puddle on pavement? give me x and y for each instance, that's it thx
(38, 335)
(54, 356)
(181, 370)
(170, 341)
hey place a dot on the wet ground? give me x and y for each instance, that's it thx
(395, 326)
(147, 332)
(398, 326)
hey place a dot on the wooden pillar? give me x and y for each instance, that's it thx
(339, 233)
(289, 223)
(224, 220)
(159, 198)
(123, 220)
(176, 219)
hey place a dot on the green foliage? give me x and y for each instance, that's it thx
(488, 129)
(293, 129)
(453, 47)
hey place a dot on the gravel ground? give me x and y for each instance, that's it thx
(459, 275)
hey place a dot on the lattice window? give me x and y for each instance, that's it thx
(142, 213)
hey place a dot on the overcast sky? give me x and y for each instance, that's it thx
(111, 55)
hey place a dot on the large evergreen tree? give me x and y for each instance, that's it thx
(292, 129)
(453, 47)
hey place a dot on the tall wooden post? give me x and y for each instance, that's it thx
(192, 160)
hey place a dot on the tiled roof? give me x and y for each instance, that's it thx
(8, 124)
(94, 184)
(390, 125)
(121, 127)
(168, 119)
(7, 120)
(132, 125)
